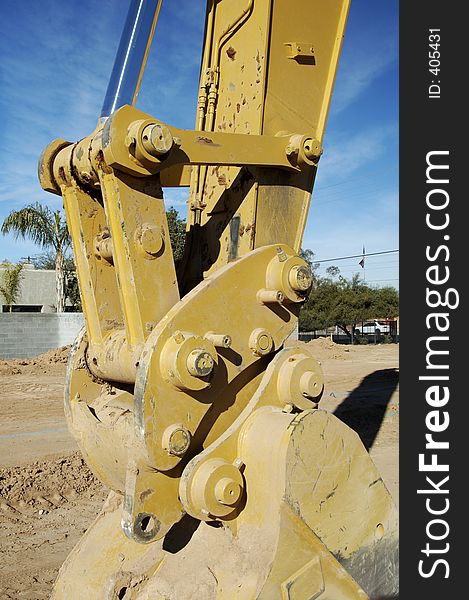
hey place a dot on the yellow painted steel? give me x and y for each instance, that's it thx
(227, 479)
(132, 145)
(256, 88)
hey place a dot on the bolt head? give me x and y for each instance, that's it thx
(200, 363)
(261, 342)
(176, 440)
(151, 240)
(281, 254)
(178, 337)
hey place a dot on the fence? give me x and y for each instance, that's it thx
(24, 335)
(338, 338)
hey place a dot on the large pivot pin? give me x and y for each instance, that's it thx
(289, 276)
(214, 489)
(300, 382)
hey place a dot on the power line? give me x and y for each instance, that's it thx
(358, 270)
(376, 280)
(372, 265)
(367, 191)
(319, 187)
(355, 256)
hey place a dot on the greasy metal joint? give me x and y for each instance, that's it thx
(142, 144)
(228, 491)
(300, 278)
(291, 275)
(312, 149)
(85, 159)
(46, 166)
(303, 150)
(311, 385)
(146, 527)
(214, 489)
(157, 139)
(62, 162)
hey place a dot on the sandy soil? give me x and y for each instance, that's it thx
(48, 497)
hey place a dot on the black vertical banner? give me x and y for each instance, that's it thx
(434, 227)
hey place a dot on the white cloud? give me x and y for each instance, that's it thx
(176, 198)
(368, 51)
(356, 76)
(346, 153)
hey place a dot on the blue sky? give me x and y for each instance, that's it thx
(56, 58)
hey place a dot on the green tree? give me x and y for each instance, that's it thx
(177, 232)
(333, 271)
(356, 303)
(386, 302)
(72, 290)
(345, 302)
(308, 256)
(48, 229)
(11, 282)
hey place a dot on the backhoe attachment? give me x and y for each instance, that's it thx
(226, 479)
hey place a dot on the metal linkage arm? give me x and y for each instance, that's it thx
(138, 144)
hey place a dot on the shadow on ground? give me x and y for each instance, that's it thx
(365, 407)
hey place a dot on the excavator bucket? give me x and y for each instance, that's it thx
(226, 478)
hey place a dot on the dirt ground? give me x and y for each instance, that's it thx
(48, 497)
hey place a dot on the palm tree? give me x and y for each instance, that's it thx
(11, 282)
(48, 229)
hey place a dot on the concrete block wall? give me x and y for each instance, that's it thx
(24, 335)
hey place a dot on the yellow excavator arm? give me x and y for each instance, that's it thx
(227, 480)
